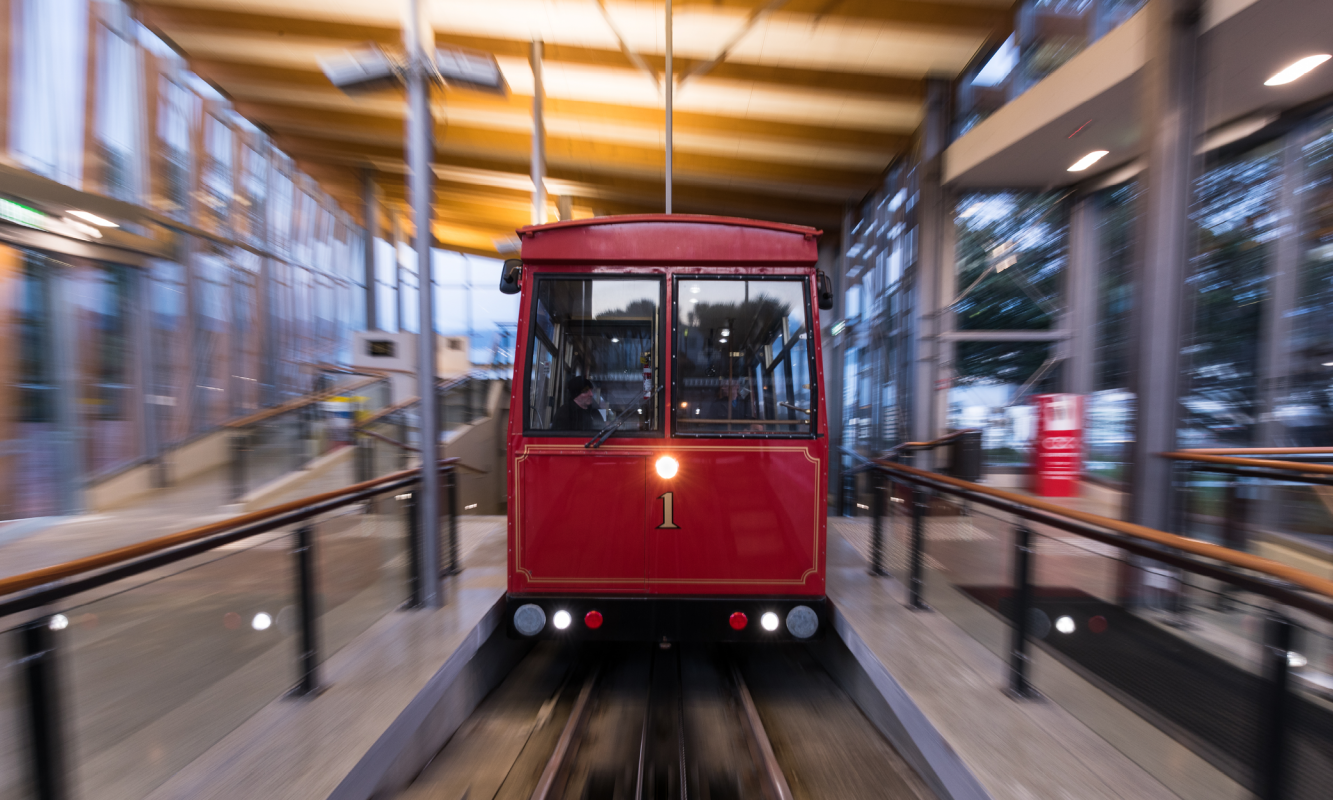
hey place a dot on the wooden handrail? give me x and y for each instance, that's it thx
(1260, 451)
(110, 558)
(934, 442)
(443, 384)
(1226, 555)
(292, 405)
(1252, 463)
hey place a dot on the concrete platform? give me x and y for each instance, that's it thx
(392, 698)
(948, 691)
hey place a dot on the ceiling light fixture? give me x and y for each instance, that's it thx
(1296, 70)
(1088, 160)
(94, 219)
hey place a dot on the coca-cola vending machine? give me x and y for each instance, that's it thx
(1057, 453)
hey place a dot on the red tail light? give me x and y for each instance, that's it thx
(738, 621)
(593, 619)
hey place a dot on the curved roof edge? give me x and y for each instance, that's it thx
(707, 219)
(670, 239)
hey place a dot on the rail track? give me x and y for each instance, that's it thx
(681, 723)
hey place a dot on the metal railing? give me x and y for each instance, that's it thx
(387, 438)
(272, 442)
(148, 654)
(1227, 652)
(1230, 492)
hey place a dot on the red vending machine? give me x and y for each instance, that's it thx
(1058, 447)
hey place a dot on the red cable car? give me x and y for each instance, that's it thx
(668, 441)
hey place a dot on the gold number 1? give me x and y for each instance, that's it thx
(667, 521)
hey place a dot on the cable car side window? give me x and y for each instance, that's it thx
(742, 358)
(592, 356)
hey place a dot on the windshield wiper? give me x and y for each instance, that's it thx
(613, 425)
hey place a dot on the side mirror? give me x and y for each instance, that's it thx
(510, 276)
(823, 290)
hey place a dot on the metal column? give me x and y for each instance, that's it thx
(1080, 307)
(669, 85)
(538, 135)
(66, 440)
(933, 216)
(371, 218)
(1169, 100)
(420, 143)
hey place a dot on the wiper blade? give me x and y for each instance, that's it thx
(614, 425)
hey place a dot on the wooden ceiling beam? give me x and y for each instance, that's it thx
(597, 157)
(238, 79)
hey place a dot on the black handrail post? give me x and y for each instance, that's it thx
(1277, 646)
(920, 502)
(1019, 686)
(415, 589)
(1231, 535)
(451, 486)
(239, 450)
(876, 523)
(305, 587)
(41, 680)
(365, 458)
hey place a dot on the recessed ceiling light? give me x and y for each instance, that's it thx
(105, 223)
(1088, 160)
(1296, 70)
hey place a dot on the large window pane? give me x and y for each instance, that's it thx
(1011, 251)
(743, 358)
(592, 339)
(1238, 225)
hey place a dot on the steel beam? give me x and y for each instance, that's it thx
(420, 146)
(933, 216)
(371, 217)
(538, 135)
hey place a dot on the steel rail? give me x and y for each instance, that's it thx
(565, 745)
(256, 522)
(1025, 506)
(301, 402)
(1271, 475)
(1254, 463)
(772, 771)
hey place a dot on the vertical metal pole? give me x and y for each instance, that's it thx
(305, 586)
(916, 582)
(876, 523)
(414, 571)
(1278, 636)
(1079, 315)
(538, 135)
(420, 136)
(239, 448)
(371, 217)
(365, 458)
(42, 685)
(669, 84)
(451, 479)
(1018, 648)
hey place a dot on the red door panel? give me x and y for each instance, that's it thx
(581, 521)
(749, 521)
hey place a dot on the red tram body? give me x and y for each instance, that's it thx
(702, 516)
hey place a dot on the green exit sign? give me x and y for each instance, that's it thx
(22, 215)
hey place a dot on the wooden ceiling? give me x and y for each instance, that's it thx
(785, 110)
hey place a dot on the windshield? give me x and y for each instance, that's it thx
(743, 363)
(593, 354)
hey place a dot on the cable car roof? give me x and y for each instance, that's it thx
(674, 239)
